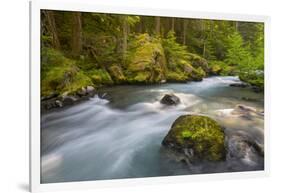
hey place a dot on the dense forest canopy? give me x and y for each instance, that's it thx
(80, 49)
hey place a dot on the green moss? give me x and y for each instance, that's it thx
(60, 74)
(100, 77)
(140, 77)
(200, 133)
(198, 61)
(178, 76)
(145, 60)
(186, 134)
(116, 74)
(201, 72)
(198, 74)
(255, 78)
(221, 68)
(215, 68)
(64, 78)
(78, 81)
(182, 65)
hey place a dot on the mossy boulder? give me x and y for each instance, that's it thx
(145, 62)
(215, 68)
(116, 74)
(221, 68)
(196, 137)
(182, 73)
(176, 76)
(198, 74)
(197, 61)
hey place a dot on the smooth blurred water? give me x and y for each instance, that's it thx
(121, 137)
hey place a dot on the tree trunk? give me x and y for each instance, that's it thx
(236, 25)
(184, 32)
(125, 36)
(203, 37)
(204, 49)
(173, 24)
(157, 25)
(52, 28)
(76, 34)
(140, 26)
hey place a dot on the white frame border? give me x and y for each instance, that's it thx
(88, 6)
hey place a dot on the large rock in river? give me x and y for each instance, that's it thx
(170, 99)
(196, 137)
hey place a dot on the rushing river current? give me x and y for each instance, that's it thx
(119, 135)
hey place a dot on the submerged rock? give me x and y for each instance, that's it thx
(82, 92)
(196, 137)
(50, 96)
(246, 112)
(90, 90)
(257, 89)
(68, 100)
(170, 99)
(241, 85)
(58, 103)
(241, 146)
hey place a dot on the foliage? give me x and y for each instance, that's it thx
(237, 54)
(179, 61)
(100, 77)
(125, 49)
(255, 78)
(60, 74)
(117, 74)
(175, 53)
(145, 60)
(221, 68)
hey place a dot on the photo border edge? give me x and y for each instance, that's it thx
(34, 94)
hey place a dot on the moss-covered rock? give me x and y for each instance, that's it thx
(198, 74)
(100, 77)
(196, 137)
(215, 67)
(176, 76)
(197, 61)
(221, 68)
(145, 62)
(116, 74)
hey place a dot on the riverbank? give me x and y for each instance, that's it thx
(55, 101)
(148, 60)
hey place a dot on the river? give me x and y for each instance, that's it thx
(120, 136)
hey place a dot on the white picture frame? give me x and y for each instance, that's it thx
(90, 6)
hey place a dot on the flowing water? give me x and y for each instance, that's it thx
(120, 137)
